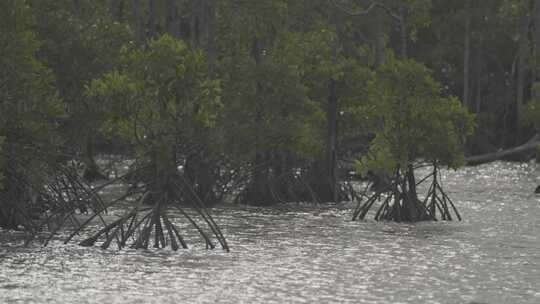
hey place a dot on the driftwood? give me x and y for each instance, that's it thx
(519, 153)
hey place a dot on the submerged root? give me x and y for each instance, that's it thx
(148, 220)
(149, 223)
(438, 201)
(38, 205)
(62, 198)
(400, 202)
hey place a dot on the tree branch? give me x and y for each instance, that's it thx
(365, 12)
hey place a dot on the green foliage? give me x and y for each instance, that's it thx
(416, 13)
(418, 16)
(267, 104)
(510, 10)
(78, 47)
(415, 120)
(159, 97)
(350, 72)
(29, 103)
(263, 89)
(274, 80)
(355, 111)
(253, 19)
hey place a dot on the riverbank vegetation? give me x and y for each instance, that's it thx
(253, 102)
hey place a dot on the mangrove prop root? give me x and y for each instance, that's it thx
(152, 225)
(401, 204)
(147, 222)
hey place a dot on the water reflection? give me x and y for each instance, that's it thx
(301, 254)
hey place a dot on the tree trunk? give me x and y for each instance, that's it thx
(478, 79)
(467, 52)
(198, 171)
(207, 179)
(331, 141)
(114, 9)
(519, 153)
(139, 36)
(413, 206)
(203, 179)
(537, 67)
(331, 137)
(210, 48)
(403, 32)
(537, 38)
(77, 7)
(151, 19)
(257, 191)
(195, 23)
(379, 43)
(91, 172)
(172, 22)
(522, 70)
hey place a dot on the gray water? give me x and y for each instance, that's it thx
(301, 254)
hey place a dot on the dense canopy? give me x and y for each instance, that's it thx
(256, 102)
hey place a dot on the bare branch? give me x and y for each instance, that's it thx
(356, 14)
(366, 12)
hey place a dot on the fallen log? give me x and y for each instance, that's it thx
(519, 153)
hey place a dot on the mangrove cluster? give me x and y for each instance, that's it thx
(252, 102)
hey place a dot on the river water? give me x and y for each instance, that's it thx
(302, 254)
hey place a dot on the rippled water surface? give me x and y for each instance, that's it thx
(313, 255)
